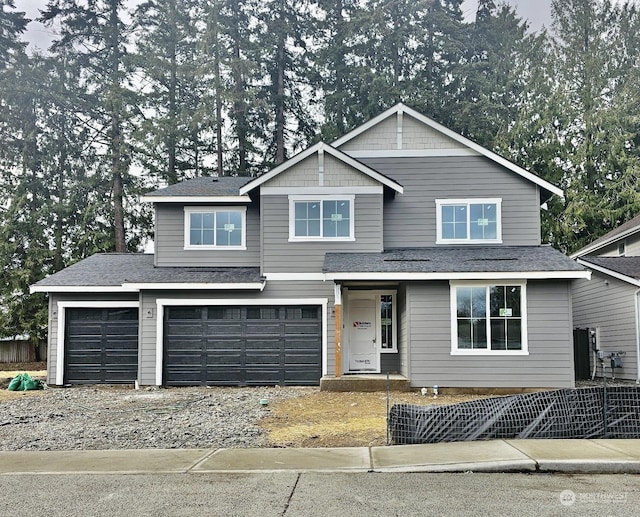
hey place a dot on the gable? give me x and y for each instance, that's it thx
(424, 137)
(317, 165)
(401, 131)
(315, 171)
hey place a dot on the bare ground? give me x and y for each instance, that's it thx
(312, 419)
(330, 419)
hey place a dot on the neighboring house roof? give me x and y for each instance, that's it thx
(226, 188)
(624, 230)
(626, 269)
(401, 108)
(130, 272)
(450, 263)
(322, 147)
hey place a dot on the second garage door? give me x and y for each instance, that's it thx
(101, 346)
(240, 346)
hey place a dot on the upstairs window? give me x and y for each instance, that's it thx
(219, 228)
(321, 218)
(468, 221)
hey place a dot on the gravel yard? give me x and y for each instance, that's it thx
(123, 418)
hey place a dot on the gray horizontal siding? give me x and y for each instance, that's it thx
(279, 255)
(632, 247)
(52, 338)
(550, 359)
(410, 218)
(610, 307)
(169, 241)
(294, 290)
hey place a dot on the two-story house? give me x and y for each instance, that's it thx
(609, 303)
(401, 247)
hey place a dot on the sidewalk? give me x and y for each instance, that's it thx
(570, 456)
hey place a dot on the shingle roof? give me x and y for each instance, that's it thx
(471, 259)
(631, 226)
(627, 266)
(207, 186)
(115, 269)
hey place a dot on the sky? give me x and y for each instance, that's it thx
(538, 12)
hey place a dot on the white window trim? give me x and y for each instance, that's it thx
(487, 352)
(320, 198)
(469, 201)
(188, 210)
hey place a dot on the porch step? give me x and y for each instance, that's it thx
(366, 382)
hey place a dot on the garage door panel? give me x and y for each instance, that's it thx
(101, 345)
(255, 345)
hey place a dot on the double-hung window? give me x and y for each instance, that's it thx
(215, 228)
(321, 218)
(468, 221)
(488, 318)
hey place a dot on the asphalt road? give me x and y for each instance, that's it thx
(316, 494)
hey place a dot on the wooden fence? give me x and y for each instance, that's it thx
(20, 351)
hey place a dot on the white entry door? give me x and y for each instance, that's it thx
(363, 331)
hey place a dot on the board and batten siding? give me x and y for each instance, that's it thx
(548, 365)
(170, 239)
(281, 256)
(273, 289)
(410, 218)
(414, 135)
(52, 338)
(611, 307)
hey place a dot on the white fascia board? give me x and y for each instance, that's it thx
(197, 286)
(454, 136)
(336, 153)
(339, 155)
(81, 289)
(411, 153)
(311, 277)
(280, 168)
(321, 191)
(605, 271)
(588, 249)
(196, 199)
(528, 275)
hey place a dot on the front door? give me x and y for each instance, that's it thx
(363, 331)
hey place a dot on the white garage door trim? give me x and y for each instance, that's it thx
(62, 307)
(161, 303)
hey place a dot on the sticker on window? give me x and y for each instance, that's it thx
(336, 217)
(229, 227)
(506, 313)
(483, 222)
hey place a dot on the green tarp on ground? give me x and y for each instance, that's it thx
(24, 382)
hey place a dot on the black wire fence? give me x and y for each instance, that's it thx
(601, 412)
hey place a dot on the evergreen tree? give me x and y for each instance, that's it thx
(93, 35)
(171, 141)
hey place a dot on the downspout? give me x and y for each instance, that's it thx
(637, 295)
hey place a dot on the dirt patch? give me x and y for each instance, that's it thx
(333, 419)
(9, 370)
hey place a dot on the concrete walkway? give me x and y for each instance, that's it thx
(571, 456)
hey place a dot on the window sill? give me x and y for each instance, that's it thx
(388, 350)
(322, 239)
(216, 248)
(467, 242)
(484, 353)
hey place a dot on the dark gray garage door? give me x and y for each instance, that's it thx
(101, 346)
(239, 346)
